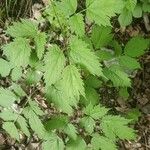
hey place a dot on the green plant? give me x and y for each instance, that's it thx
(68, 65)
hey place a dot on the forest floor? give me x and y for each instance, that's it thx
(140, 98)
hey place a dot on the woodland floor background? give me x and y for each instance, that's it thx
(140, 93)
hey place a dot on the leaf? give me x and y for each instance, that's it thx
(34, 122)
(137, 13)
(54, 143)
(136, 46)
(25, 28)
(10, 128)
(78, 144)
(34, 106)
(59, 99)
(54, 65)
(101, 11)
(71, 131)
(88, 123)
(23, 125)
(56, 122)
(8, 115)
(72, 84)
(96, 112)
(125, 18)
(116, 126)
(40, 42)
(103, 143)
(18, 52)
(129, 62)
(80, 53)
(16, 73)
(7, 98)
(77, 24)
(68, 7)
(101, 36)
(5, 67)
(117, 76)
(130, 4)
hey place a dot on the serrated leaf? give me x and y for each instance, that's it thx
(40, 42)
(34, 106)
(137, 13)
(23, 125)
(72, 84)
(129, 62)
(57, 122)
(117, 76)
(136, 46)
(25, 28)
(7, 98)
(34, 122)
(5, 67)
(125, 18)
(130, 4)
(57, 97)
(71, 131)
(77, 24)
(116, 126)
(11, 129)
(8, 115)
(54, 143)
(88, 123)
(101, 11)
(96, 112)
(18, 52)
(16, 73)
(54, 64)
(103, 143)
(80, 53)
(78, 144)
(101, 36)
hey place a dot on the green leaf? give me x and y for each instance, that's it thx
(34, 122)
(40, 42)
(18, 52)
(129, 62)
(78, 144)
(71, 131)
(68, 7)
(54, 65)
(101, 11)
(117, 76)
(11, 129)
(34, 106)
(16, 73)
(146, 7)
(54, 143)
(7, 98)
(77, 24)
(8, 115)
(96, 112)
(116, 126)
(123, 92)
(101, 36)
(137, 13)
(80, 53)
(88, 123)
(59, 99)
(130, 4)
(23, 125)
(103, 143)
(72, 84)
(56, 122)
(5, 67)
(136, 46)
(125, 18)
(25, 28)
